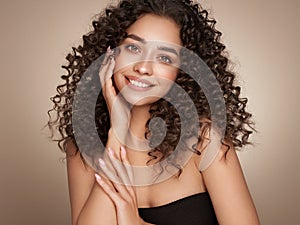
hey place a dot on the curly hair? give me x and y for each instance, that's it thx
(198, 34)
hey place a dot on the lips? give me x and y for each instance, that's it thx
(138, 83)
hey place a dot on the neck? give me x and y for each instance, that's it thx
(139, 117)
(138, 146)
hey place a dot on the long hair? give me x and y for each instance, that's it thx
(198, 34)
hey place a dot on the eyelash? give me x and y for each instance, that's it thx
(130, 46)
(135, 49)
(165, 59)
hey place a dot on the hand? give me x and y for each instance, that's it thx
(120, 190)
(119, 109)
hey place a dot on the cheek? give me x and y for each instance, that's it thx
(118, 64)
(117, 82)
(169, 73)
(172, 75)
(124, 60)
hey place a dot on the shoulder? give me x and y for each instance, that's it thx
(226, 184)
(74, 159)
(80, 179)
(212, 147)
(70, 148)
(223, 154)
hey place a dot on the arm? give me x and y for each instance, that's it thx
(123, 196)
(80, 181)
(99, 208)
(228, 190)
(89, 204)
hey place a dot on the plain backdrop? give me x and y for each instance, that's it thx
(262, 39)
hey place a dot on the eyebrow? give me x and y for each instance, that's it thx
(142, 40)
(137, 38)
(167, 49)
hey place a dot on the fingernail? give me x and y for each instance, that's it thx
(102, 163)
(108, 49)
(98, 178)
(123, 151)
(110, 151)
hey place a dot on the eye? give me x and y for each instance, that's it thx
(133, 48)
(165, 59)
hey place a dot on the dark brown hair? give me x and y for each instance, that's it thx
(198, 34)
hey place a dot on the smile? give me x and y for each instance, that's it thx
(139, 84)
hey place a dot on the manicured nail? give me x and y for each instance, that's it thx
(111, 152)
(108, 49)
(102, 163)
(98, 178)
(123, 152)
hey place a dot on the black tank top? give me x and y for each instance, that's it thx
(196, 209)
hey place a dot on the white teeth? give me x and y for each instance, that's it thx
(139, 84)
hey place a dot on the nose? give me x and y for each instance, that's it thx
(143, 68)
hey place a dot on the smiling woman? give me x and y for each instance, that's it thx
(149, 56)
(144, 43)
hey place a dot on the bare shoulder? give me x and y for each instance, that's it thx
(226, 184)
(226, 153)
(79, 173)
(80, 180)
(225, 161)
(223, 153)
(89, 203)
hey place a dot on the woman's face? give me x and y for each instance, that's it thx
(148, 62)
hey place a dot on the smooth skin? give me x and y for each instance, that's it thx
(96, 200)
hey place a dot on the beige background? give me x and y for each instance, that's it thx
(263, 41)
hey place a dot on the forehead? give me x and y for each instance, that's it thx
(156, 28)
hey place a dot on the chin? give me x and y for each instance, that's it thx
(140, 101)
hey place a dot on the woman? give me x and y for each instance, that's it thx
(143, 43)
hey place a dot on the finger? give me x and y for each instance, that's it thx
(114, 171)
(117, 183)
(105, 68)
(105, 74)
(112, 179)
(109, 189)
(109, 58)
(109, 171)
(104, 179)
(129, 173)
(127, 165)
(124, 186)
(118, 166)
(120, 175)
(109, 88)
